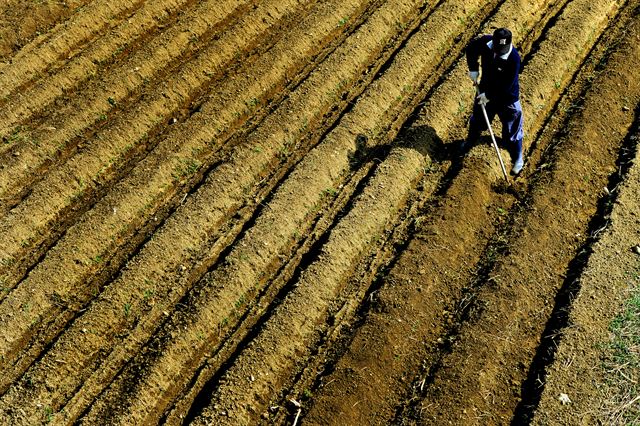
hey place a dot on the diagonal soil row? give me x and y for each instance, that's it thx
(81, 253)
(254, 258)
(22, 22)
(90, 22)
(157, 53)
(547, 235)
(108, 226)
(515, 298)
(508, 314)
(38, 148)
(233, 285)
(381, 258)
(242, 172)
(190, 401)
(38, 217)
(292, 330)
(611, 272)
(34, 148)
(128, 133)
(437, 260)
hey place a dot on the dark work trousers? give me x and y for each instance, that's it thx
(512, 122)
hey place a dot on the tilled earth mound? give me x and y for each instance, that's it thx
(253, 211)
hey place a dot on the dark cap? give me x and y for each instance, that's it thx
(501, 41)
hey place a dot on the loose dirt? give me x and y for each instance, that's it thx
(248, 212)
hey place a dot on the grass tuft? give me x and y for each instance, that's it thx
(622, 365)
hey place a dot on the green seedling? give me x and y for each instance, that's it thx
(330, 192)
(127, 309)
(239, 302)
(48, 414)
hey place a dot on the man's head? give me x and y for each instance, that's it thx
(501, 41)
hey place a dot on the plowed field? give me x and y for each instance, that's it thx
(252, 212)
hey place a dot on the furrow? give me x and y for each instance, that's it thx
(202, 216)
(435, 266)
(136, 199)
(143, 65)
(44, 213)
(292, 329)
(546, 235)
(190, 401)
(597, 300)
(29, 154)
(21, 22)
(63, 41)
(251, 260)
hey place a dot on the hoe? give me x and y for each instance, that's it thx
(493, 140)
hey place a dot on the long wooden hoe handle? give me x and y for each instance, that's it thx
(495, 144)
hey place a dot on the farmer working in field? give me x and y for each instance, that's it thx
(498, 91)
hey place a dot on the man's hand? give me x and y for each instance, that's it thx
(482, 99)
(475, 77)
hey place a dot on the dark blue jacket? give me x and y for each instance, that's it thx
(499, 76)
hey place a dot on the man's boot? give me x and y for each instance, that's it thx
(519, 161)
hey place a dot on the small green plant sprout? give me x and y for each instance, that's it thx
(26, 307)
(147, 295)
(185, 168)
(240, 302)
(127, 309)
(48, 414)
(111, 101)
(98, 259)
(102, 117)
(306, 395)
(343, 21)
(17, 135)
(330, 192)
(461, 107)
(117, 52)
(557, 84)
(501, 211)
(252, 103)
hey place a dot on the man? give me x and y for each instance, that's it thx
(499, 91)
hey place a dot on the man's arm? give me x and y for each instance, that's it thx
(474, 50)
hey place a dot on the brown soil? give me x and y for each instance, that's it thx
(243, 212)
(611, 270)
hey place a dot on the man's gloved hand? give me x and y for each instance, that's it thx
(475, 77)
(482, 99)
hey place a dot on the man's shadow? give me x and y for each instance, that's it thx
(423, 139)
